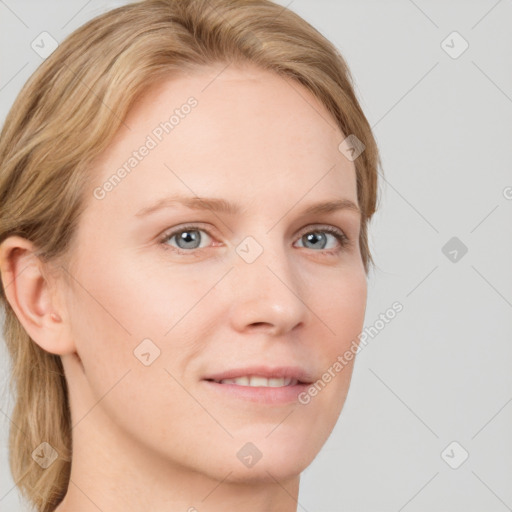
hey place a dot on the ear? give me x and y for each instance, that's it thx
(32, 294)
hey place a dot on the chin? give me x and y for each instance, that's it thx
(264, 472)
(263, 457)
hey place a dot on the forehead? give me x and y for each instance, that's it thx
(250, 134)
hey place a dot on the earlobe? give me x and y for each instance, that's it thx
(32, 296)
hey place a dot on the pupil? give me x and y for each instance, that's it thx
(187, 238)
(314, 236)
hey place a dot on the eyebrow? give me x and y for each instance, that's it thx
(222, 206)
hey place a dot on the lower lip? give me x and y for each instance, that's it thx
(262, 395)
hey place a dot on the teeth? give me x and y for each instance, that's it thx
(254, 381)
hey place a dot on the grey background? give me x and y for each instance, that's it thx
(440, 371)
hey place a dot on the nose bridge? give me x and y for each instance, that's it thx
(263, 255)
(269, 289)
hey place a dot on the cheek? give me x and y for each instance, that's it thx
(343, 306)
(133, 298)
(343, 310)
(115, 310)
(123, 311)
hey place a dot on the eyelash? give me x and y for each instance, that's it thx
(343, 239)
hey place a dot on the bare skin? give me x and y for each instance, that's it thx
(156, 437)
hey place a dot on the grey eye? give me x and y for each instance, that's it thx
(187, 238)
(317, 239)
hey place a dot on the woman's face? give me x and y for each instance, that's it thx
(164, 298)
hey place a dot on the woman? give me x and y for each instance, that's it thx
(185, 190)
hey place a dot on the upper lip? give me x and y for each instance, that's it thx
(276, 372)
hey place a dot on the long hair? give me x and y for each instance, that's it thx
(66, 115)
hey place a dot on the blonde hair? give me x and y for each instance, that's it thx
(69, 111)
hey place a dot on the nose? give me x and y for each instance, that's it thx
(268, 293)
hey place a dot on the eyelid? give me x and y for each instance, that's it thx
(319, 227)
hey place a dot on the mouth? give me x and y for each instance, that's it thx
(271, 386)
(256, 381)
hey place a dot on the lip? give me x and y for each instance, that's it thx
(262, 395)
(276, 372)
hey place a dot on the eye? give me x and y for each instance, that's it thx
(188, 239)
(319, 237)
